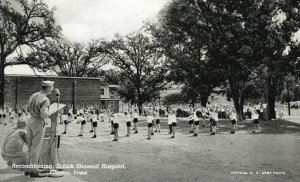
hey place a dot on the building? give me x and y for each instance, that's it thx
(75, 91)
(110, 98)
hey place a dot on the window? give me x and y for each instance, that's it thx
(111, 105)
(102, 91)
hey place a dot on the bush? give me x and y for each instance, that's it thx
(284, 96)
(181, 113)
(294, 105)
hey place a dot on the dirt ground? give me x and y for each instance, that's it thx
(244, 156)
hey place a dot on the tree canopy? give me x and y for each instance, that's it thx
(23, 24)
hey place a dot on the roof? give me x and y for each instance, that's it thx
(49, 76)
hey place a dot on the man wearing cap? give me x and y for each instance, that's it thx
(38, 107)
(12, 148)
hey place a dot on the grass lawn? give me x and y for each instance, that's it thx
(244, 156)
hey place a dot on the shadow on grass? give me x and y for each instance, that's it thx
(267, 127)
(273, 127)
(224, 126)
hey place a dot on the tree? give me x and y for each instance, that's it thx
(239, 38)
(273, 24)
(209, 40)
(31, 22)
(173, 99)
(111, 76)
(66, 58)
(179, 35)
(140, 58)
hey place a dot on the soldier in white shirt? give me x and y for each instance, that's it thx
(128, 123)
(174, 122)
(82, 121)
(157, 121)
(191, 123)
(149, 119)
(213, 121)
(94, 121)
(136, 120)
(255, 117)
(280, 114)
(232, 116)
(197, 118)
(101, 117)
(170, 122)
(115, 126)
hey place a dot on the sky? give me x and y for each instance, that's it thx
(85, 20)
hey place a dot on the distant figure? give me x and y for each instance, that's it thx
(256, 121)
(233, 118)
(136, 121)
(174, 122)
(128, 123)
(12, 148)
(280, 114)
(82, 120)
(149, 119)
(115, 126)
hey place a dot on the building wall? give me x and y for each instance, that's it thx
(106, 92)
(77, 91)
(112, 105)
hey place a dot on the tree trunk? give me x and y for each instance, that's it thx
(204, 98)
(270, 97)
(2, 82)
(139, 102)
(241, 103)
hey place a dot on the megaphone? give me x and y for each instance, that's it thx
(56, 92)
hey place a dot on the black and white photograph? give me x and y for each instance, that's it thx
(149, 90)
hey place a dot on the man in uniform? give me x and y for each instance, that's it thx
(38, 107)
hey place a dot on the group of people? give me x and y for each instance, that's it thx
(36, 114)
(93, 116)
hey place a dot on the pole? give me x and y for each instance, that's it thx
(288, 99)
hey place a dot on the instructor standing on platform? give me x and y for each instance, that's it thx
(38, 106)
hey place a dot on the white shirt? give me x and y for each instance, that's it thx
(115, 119)
(196, 118)
(214, 115)
(127, 118)
(257, 107)
(80, 118)
(171, 118)
(149, 119)
(232, 116)
(63, 117)
(255, 116)
(94, 117)
(135, 115)
(190, 117)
